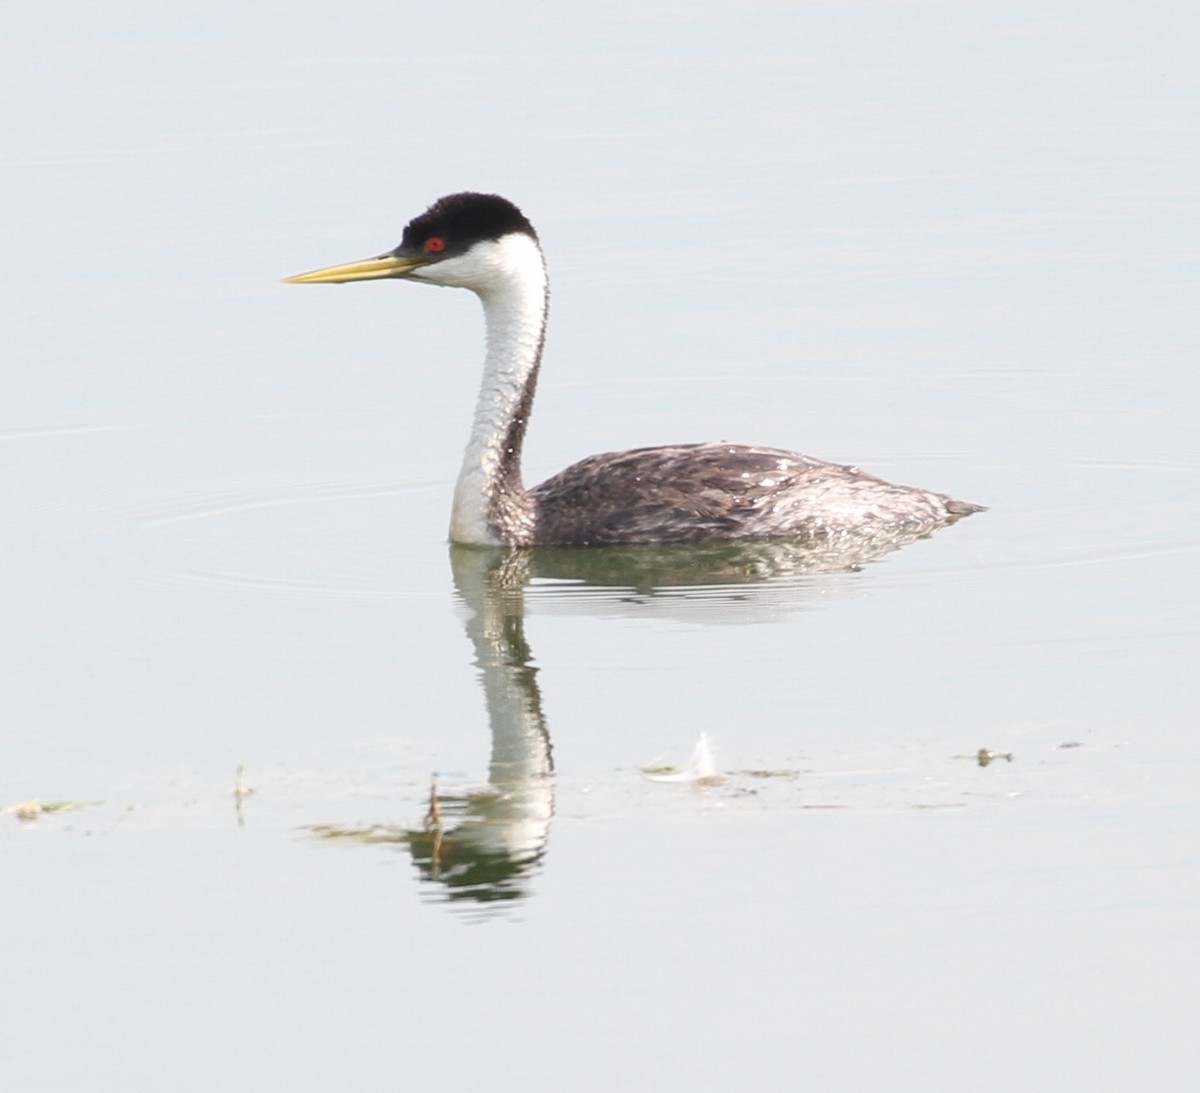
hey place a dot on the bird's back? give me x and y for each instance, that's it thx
(692, 493)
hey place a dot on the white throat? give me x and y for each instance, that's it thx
(509, 276)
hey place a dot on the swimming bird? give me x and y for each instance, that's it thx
(683, 493)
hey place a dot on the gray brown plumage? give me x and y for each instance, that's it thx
(691, 493)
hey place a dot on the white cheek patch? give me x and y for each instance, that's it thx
(454, 272)
(489, 266)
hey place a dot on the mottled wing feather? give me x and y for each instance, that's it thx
(710, 492)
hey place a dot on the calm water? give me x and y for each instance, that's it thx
(956, 247)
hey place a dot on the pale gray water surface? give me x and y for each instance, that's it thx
(955, 244)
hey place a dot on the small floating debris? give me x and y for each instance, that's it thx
(240, 790)
(985, 756)
(362, 833)
(31, 810)
(433, 815)
(240, 793)
(701, 770)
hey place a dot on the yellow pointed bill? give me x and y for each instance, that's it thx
(370, 269)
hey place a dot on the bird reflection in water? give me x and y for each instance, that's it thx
(484, 846)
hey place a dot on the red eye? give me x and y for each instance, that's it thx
(435, 245)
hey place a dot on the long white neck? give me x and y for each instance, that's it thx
(490, 503)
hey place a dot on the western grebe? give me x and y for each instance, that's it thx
(685, 493)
